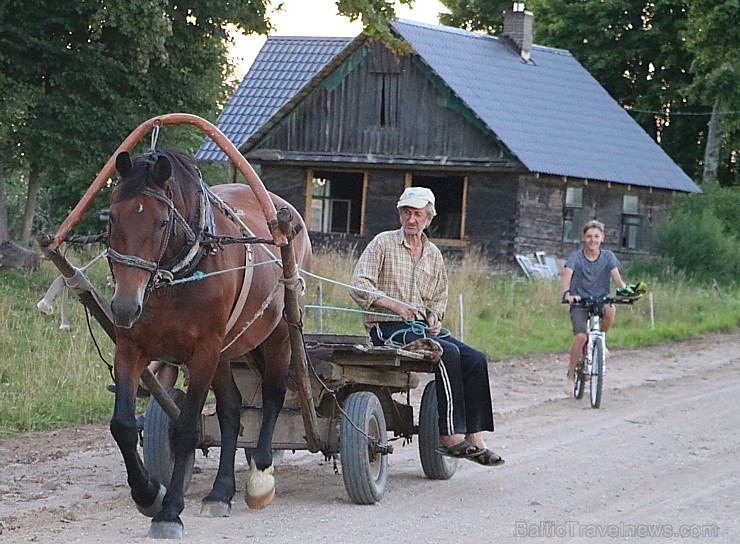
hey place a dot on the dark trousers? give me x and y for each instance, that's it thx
(461, 379)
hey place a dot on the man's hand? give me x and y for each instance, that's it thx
(434, 326)
(570, 299)
(407, 312)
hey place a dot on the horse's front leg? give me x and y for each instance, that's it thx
(228, 410)
(147, 492)
(184, 437)
(275, 352)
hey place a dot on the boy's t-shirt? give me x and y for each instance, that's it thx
(591, 278)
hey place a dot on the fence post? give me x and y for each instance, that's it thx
(462, 319)
(652, 311)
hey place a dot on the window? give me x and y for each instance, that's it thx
(630, 222)
(336, 202)
(573, 214)
(387, 99)
(450, 193)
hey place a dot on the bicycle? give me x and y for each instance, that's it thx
(592, 363)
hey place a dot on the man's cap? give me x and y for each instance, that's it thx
(416, 197)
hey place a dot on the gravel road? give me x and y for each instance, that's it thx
(657, 463)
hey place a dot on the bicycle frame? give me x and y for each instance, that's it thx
(594, 333)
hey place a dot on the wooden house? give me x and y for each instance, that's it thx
(520, 144)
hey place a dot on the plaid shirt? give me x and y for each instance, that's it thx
(387, 268)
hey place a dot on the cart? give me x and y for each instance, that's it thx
(356, 388)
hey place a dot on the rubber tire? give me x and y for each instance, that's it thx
(597, 373)
(434, 465)
(158, 457)
(579, 383)
(365, 474)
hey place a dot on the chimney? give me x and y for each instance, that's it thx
(518, 29)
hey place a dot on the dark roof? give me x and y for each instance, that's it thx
(549, 112)
(282, 67)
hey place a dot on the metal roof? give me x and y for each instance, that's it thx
(282, 67)
(549, 112)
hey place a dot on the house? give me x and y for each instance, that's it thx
(519, 142)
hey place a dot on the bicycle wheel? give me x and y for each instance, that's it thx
(597, 373)
(579, 379)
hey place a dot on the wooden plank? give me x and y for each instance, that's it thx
(372, 376)
(289, 430)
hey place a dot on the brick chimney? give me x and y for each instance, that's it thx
(518, 29)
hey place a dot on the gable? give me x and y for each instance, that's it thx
(377, 107)
(283, 66)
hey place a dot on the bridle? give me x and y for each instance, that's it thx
(192, 251)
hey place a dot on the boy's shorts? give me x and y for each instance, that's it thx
(579, 318)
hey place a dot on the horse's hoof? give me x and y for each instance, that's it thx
(260, 502)
(215, 509)
(154, 508)
(260, 487)
(166, 529)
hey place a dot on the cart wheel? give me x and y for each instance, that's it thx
(158, 458)
(364, 468)
(434, 465)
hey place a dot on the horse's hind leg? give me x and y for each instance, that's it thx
(228, 409)
(275, 357)
(147, 492)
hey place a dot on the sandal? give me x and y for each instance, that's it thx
(461, 450)
(488, 458)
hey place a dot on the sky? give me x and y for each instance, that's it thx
(319, 18)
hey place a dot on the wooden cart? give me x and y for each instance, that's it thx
(358, 390)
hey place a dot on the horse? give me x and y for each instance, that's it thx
(161, 217)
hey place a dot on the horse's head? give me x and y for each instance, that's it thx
(149, 226)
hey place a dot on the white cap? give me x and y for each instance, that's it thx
(416, 197)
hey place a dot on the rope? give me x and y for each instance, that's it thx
(416, 328)
(198, 275)
(361, 290)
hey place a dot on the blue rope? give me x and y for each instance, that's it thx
(416, 328)
(198, 275)
(352, 287)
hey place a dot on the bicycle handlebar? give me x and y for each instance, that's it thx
(593, 301)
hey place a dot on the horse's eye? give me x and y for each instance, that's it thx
(163, 223)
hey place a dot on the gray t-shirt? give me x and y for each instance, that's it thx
(591, 278)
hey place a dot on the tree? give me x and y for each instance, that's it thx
(712, 35)
(476, 15)
(89, 71)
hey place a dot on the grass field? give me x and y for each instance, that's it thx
(51, 378)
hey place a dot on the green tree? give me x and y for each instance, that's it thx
(93, 70)
(712, 35)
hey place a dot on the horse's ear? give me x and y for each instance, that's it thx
(162, 170)
(123, 163)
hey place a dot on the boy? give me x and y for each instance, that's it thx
(588, 273)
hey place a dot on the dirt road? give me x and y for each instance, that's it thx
(658, 462)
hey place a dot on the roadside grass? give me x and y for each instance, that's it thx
(51, 378)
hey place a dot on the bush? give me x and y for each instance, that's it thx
(699, 244)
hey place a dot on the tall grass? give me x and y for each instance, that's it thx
(51, 378)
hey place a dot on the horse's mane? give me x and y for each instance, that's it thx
(183, 171)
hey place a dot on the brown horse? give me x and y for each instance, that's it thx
(161, 212)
